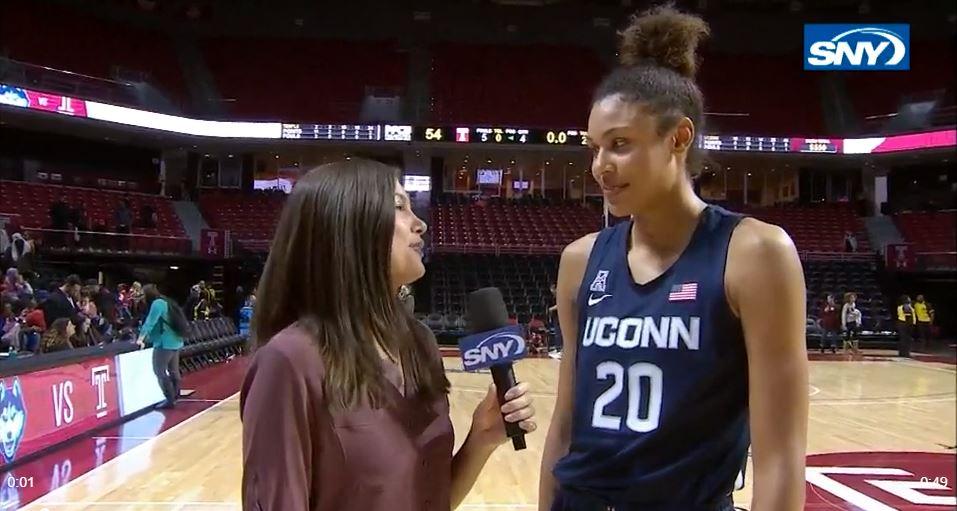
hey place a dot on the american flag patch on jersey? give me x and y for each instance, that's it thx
(683, 292)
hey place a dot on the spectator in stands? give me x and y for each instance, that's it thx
(60, 214)
(9, 328)
(553, 323)
(330, 330)
(79, 217)
(63, 302)
(21, 252)
(830, 324)
(34, 324)
(165, 329)
(82, 335)
(850, 322)
(57, 337)
(850, 242)
(123, 217)
(906, 319)
(12, 286)
(925, 318)
(148, 217)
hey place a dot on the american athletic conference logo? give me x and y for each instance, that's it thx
(829, 47)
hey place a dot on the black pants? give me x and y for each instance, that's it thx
(166, 369)
(904, 338)
(923, 331)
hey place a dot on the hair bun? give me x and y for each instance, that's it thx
(665, 37)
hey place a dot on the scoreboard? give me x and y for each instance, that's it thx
(498, 135)
(502, 135)
(770, 144)
(364, 132)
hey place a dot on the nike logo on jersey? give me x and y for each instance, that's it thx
(593, 300)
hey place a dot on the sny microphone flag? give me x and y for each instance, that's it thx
(486, 349)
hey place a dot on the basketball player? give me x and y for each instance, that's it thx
(686, 323)
(345, 404)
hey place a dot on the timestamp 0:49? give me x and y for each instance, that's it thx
(941, 480)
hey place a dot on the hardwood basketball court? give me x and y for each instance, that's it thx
(857, 408)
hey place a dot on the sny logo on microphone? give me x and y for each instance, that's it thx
(857, 47)
(485, 349)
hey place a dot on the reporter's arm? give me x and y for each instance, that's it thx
(773, 316)
(277, 438)
(571, 269)
(467, 464)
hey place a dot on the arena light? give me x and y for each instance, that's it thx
(182, 125)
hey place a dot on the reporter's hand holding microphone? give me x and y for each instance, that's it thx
(506, 411)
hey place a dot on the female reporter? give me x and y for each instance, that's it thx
(685, 326)
(345, 405)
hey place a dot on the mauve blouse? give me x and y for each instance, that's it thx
(300, 456)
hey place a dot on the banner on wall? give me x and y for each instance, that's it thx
(213, 243)
(899, 257)
(46, 407)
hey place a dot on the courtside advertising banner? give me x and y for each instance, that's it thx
(46, 407)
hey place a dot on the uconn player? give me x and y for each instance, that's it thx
(684, 326)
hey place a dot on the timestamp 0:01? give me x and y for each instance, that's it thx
(18, 482)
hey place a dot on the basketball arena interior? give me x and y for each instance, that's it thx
(156, 142)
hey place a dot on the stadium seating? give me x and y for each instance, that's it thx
(929, 231)
(301, 79)
(250, 218)
(524, 281)
(31, 201)
(53, 36)
(837, 278)
(545, 86)
(210, 342)
(816, 228)
(501, 226)
(785, 101)
(924, 76)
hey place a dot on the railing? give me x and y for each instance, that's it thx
(257, 245)
(67, 83)
(70, 241)
(931, 261)
(855, 257)
(483, 248)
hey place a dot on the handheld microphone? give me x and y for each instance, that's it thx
(494, 344)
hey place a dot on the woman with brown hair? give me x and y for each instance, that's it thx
(345, 405)
(58, 335)
(165, 328)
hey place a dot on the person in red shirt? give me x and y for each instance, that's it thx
(830, 324)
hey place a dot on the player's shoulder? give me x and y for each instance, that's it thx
(755, 237)
(578, 251)
(755, 243)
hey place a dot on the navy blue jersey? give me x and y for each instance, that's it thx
(661, 383)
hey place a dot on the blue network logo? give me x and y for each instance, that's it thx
(829, 47)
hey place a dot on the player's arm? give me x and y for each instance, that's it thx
(571, 269)
(765, 284)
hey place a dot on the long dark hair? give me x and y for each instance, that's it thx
(329, 270)
(177, 318)
(658, 56)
